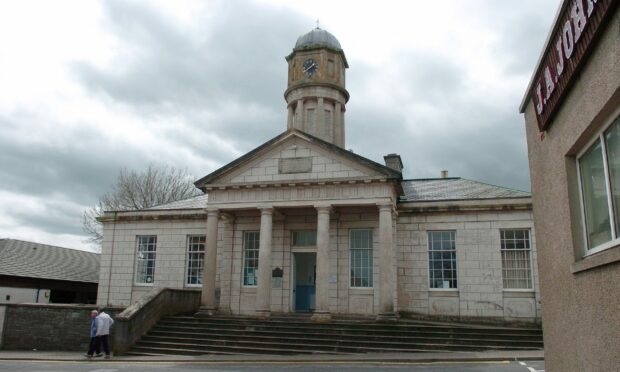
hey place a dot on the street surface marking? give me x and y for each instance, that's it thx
(523, 364)
(535, 370)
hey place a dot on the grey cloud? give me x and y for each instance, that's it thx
(242, 61)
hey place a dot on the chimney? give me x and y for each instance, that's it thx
(444, 174)
(393, 161)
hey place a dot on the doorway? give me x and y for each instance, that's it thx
(304, 281)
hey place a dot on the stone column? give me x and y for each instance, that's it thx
(290, 117)
(263, 290)
(321, 131)
(321, 312)
(338, 126)
(208, 300)
(386, 263)
(299, 115)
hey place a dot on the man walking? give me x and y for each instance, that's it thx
(104, 322)
(93, 346)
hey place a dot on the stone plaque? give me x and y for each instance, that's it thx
(295, 165)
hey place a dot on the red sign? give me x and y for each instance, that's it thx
(572, 39)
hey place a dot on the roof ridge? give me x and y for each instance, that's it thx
(47, 245)
(502, 187)
(432, 179)
(170, 202)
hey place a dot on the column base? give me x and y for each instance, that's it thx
(263, 314)
(206, 311)
(387, 317)
(321, 316)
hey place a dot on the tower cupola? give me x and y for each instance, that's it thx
(316, 93)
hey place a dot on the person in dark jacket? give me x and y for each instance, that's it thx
(94, 347)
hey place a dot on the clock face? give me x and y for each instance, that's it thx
(310, 67)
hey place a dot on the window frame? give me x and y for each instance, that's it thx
(302, 231)
(187, 258)
(372, 259)
(456, 269)
(531, 263)
(615, 238)
(244, 258)
(154, 259)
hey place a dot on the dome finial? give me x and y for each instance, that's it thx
(317, 24)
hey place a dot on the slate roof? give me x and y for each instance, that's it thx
(455, 188)
(195, 202)
(34, 260)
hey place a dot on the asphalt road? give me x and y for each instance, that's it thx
(112, 366)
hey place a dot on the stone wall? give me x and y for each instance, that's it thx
(480, 293)
(116, 281)
(138, 318)
(46, 327)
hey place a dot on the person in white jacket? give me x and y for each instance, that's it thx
(104, 322)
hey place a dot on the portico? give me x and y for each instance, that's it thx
(278, 228)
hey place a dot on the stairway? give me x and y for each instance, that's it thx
(279, 335)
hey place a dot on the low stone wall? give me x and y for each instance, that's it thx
(138, 318)
(46, 326)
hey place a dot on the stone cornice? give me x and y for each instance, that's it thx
(506, 204)
(296, 183)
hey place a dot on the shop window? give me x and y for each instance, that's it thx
(599, 185)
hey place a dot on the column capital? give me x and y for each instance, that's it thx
(323, 208)
(227, 217)
(213, 212)
(266, 209)
(383, 206)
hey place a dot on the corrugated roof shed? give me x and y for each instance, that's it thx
(455, 188)
(34, 260)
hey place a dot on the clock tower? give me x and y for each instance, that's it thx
(316, 94)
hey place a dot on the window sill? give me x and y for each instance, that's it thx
(439, 292)
(143, 284)
(519, 293)
(608, 256)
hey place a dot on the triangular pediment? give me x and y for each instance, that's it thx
(295, 156)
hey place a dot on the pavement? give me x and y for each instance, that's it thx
(64, 356)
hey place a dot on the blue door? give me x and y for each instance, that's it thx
(305, 273)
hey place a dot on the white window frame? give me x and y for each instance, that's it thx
(372, 259)
(188, 260)
(615, 240)
(154, 259)
(428, 251)
(529, 250)
(244, 251)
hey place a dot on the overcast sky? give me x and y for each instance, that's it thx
(88, 87)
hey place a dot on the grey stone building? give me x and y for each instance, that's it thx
(572, 119)
(300, 224)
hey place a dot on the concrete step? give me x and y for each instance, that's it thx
(399, 325)
(343, 329)
(196, 335)
(327, 337)
(330, 344)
